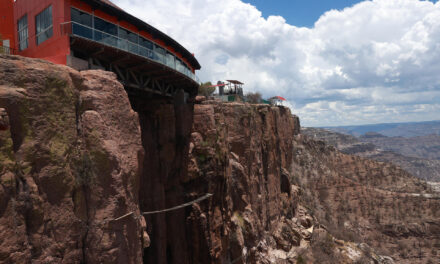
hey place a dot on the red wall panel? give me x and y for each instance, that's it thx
(7, 21)
(57, 47)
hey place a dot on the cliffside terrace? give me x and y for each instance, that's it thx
(139, 62)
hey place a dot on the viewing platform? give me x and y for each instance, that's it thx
(97, 34)
(142, 65)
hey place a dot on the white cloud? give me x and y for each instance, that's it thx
(377, 61)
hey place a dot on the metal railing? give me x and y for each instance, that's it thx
(76, 29)
(6, 50)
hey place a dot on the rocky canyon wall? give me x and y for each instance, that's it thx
(241, 154)
(367, 201)
(75, 158)
(69, 148)
(78, 166)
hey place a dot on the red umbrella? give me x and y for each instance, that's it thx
(281, 98)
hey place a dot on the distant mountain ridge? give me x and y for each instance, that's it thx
(410, 129)
(420, 156)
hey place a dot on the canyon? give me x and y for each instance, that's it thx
(84, 167)
(416, 155)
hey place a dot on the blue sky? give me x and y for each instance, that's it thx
(303, 13)
(337, 62)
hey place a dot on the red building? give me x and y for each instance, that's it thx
(96, 34)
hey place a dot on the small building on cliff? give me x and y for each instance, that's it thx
(97, 34)
(230, 91)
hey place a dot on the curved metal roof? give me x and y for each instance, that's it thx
(112, 9)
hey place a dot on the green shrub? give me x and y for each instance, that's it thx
(205, 89)
(254, 98)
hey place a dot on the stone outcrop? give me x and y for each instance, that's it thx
(69, 165)
(241, 154)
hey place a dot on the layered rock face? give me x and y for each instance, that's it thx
(79, 167)
(367, 201)
(422, 168)
(241, 154)
(69, 148)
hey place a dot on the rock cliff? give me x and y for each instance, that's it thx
(69, 147)
(374, 146)
(241, 154)
(367, 201)
(83, 164)
(80, 161)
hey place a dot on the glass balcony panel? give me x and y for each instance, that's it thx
(146, 43)
(128, 35)
(123, 44)
(144, 48)
(170, 60)
(82, 31)
(106, 39)
(179, 66)
(159, 54)
(133, 48)
(147, 53)
(159, 57)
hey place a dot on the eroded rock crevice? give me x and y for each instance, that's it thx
(165, 129)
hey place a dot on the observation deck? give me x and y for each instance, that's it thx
(97, 34)
(143, 65)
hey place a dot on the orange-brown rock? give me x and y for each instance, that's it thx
(78, 166)
(239, 153)
(68, 165)
(4, 119)
(366, 201)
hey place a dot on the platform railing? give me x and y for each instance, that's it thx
(6, 50)
(79, 30)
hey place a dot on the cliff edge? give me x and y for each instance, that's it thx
(69, 147)
(87, 170)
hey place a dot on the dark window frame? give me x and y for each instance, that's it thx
(82, 15)
(106, 24)
(23, 33)
(44, 25)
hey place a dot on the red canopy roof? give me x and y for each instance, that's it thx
(281, 98)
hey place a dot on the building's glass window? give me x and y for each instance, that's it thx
(43, 25)
(159, 53)
(82, 25)
(146, 43)
(106, 27)
(146, 48)
(129, 40)
(180, 66)
(81, 17)
(128, 35)
(106, 32)
(170, 60)
(23, 33)
(97, 29)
